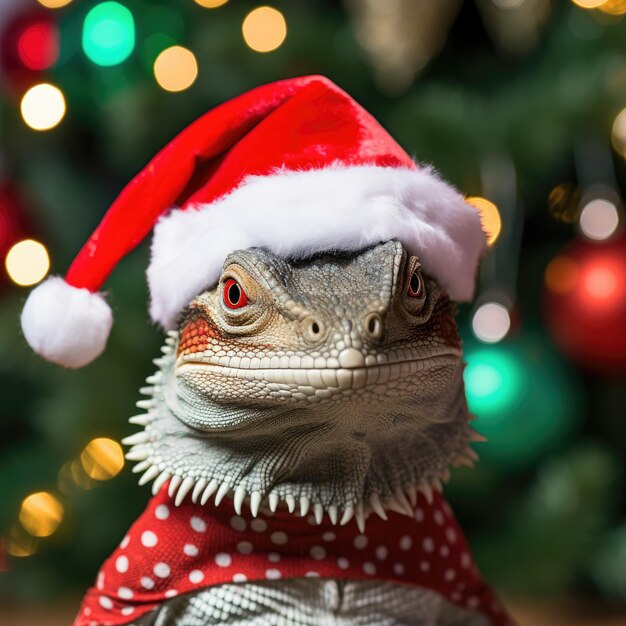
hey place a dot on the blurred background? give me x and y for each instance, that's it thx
(520, 103)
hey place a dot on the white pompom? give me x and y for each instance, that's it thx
(64, 324)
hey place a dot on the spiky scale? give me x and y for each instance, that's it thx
(255, 502)
(150, 474)
(333, 513)
(273, 501)
(143, 419)
(239, 497)
(210, 489)
(137, 454)
(144, 404)
(318, 511)
(291, 503)
(174, 485)
(159, 482)
(378, 506)
(221, 493)
(184, 489)
(141, 467)
(136, 438)
(198, 488)
(348, 514)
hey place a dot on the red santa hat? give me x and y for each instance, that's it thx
(296, 166)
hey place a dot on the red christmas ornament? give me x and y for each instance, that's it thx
(585, 303)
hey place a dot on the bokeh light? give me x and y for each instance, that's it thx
(54, 4)
(599, 219)
(102, 458)
(108, 34)
(489, 217)
(40, 514)
(491, 322)
(601, 282)
(618, 135)
(264, 29)
(613, 7)
(176, 68)
(588, 4)
(38, 45)
(211, 4)
(20, 543)
(27, 262)
(561, 274)
(43, 106)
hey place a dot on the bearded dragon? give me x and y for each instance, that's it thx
(329, 387)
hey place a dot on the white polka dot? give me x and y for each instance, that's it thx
(198, 524)
(456, 596)
(311, 520)
(318, 552)
(162, 570)
(312, 575)
(190, 550)
(105, 602)
(100, 581)
(444, 551)
(272, 574)
(146, 583)
(149, 539)
(258, 525)
(439, 518)
(87, 611)
(428, 544)
(273, 557)
(419, 515)
(369, 568)
(329, 536)
(239, 578)
(245, 547)
(128, 610)
(466, 560)
(124, 543)
(424, 566)
(171, 593)
(449, 575)
(398, 569)
(451, 535)
(360, 542)
(343, 563)
(125, 593)
(473, 602)
(238, 523)
(381, 553)
(278, 537)
(196, 576)
(162, 511)
(406, 542)
(222, 559)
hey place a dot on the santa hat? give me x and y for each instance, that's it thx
(296, 166)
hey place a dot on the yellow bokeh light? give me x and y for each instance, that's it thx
(20, 543)
(489, 217)
(27, 262)
(618, 135)
(40, 514)
(264, 29)
(102, 458)
(588, 4)
(54, 4)
(613, 7)
(43, 106)
(211, 4)
(562, 275)
(176, 68)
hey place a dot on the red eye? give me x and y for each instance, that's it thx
(416, 286)
(234, 296)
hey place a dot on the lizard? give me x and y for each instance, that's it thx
(329, 386)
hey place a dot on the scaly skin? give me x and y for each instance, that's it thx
(333, 389)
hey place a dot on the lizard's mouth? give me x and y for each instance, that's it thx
(315, 382)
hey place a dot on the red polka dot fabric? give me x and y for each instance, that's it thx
(175, 550)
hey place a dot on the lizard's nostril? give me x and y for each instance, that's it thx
(373, 326)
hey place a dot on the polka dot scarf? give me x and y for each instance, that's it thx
(175, 550)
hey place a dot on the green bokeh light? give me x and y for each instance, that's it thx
(524, 399)
(108, 33)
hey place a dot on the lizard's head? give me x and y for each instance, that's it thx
(334, 381)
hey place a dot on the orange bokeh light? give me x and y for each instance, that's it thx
(601, 282)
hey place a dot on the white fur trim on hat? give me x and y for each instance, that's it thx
(64, 324)
(299, 213)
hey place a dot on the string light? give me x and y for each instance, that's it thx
(40, 514)
(43, 106)
(27, 262)
(211, 4)
(264, 29)
(599, 219)
(102, 458)
(491, 322)
(54, 4)
(38, 46)
(176, 68)
(562, 274)
(618, 135)
(108, 34)
(489, 217)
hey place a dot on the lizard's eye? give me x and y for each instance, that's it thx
(416, 285)
(234, 296)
